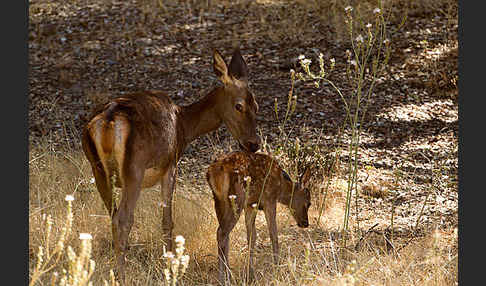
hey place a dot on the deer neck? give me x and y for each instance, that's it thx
(285, 194)
(201, 117)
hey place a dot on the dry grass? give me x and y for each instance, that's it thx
(313, 256)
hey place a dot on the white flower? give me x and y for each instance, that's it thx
(353, 62)
(348, 9)
(185, 260)
(376, 10)
(169, 255)
(386, 41)
(69, 198)
(92, 180)
(359, 39)
(180, 239)
(368, 25)
(333, 61)
(232, 197)
(301, 57)
(247, 178)
(306, 62)
(83, 236)
(254, 205)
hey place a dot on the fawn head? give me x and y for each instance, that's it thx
(238, 107)
(301, 200)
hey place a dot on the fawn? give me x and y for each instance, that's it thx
(266, 183)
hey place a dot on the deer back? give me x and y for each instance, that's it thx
(260, 180)
(144, 122)
(259, 175)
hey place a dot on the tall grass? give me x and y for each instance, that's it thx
(52, 258)
(313, 256)
(369, 55)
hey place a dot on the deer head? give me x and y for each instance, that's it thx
(301, 199)
(238, 107)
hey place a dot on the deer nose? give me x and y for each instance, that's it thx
(254, 145)
(304, 224)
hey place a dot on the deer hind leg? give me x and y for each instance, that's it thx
(123, 219)
(227, 218)
(250, 215)
(105, 188)
(167, 186)
(102, 179)
(226, 224)
(270, 217)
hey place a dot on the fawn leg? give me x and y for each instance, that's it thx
(250, 215)
(227, 218)
(270, 217)
(225, 226)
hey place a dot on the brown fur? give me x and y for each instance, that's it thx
(138, 138)
(269, 184)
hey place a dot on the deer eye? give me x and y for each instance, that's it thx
(239, 107)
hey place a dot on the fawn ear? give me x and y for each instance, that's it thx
(237, 67)
(305, 178)
(220, 68)
(286, 176)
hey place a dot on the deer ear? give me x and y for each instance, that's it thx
(219, 66)
(305, 179)
(237, 67)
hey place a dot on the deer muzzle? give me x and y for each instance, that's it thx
(251, 145)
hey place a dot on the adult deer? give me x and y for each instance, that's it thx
(267, 184)
(138, 139)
